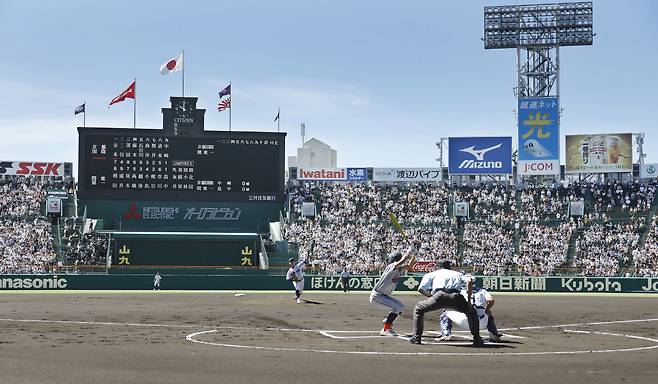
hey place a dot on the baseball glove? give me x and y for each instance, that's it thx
(294, 278)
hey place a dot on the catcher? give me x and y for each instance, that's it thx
(296, 276)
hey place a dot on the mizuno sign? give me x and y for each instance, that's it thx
(480, 155)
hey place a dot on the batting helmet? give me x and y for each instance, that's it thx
(445, 264)
(394, 256)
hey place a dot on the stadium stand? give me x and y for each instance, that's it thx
(525, 230)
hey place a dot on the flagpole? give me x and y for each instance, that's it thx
(84, 114)
(135, 105)
(183, 85)
(278, 119)
(230, 108)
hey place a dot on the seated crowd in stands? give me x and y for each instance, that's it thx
(646, 258)
(352, 228)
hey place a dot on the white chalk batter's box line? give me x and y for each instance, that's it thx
(329, 333)
(351, 335)
(192, 338)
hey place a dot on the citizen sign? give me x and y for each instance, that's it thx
(31, 168)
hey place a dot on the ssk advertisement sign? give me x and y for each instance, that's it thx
(480, 155)
(539, 136)
(406, 174)
(32, 168)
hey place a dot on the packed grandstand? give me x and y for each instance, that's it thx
(511, 230)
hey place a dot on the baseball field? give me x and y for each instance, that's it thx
(265, 337)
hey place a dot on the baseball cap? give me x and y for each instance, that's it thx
(394, 256)
(445, 264)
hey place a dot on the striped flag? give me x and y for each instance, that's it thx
(224, 104)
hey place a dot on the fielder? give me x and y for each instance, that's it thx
(156, 281)
(296, 276)
(483, 302)
(381, 292)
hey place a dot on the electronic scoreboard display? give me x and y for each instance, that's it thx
(146, 164)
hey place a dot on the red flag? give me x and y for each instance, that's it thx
(129, 93)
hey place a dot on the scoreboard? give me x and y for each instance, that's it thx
(147, 164)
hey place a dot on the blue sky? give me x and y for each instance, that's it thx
(380, 81)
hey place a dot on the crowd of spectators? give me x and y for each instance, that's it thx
(630, 197)
(21, 197)
(646, 257)
(26, 246)
(88, 248)
(604, 248)
(362, 248)
(543, 249)
(352, 228)
(26, 241)
(488, 249)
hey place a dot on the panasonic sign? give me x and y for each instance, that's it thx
(480, 155)
(33, 283)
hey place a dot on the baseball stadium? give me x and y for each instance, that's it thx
(186, 253)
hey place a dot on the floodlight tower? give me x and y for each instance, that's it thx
(537, 32)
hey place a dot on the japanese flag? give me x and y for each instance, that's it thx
(173, 65)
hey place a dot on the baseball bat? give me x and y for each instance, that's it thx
(397, 226)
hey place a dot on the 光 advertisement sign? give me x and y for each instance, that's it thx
(479, 155)
(539, 136)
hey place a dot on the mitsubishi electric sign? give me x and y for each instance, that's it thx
(480, 155)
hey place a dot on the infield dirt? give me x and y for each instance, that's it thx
(147, 337)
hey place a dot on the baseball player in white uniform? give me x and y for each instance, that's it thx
(156, 281)
(381, 292)
(483, 302)
(296, 276)
(445, 291)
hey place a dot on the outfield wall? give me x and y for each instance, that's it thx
(323, 283)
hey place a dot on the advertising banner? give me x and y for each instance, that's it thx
(424, 266)
(406, 174)
(602, 153)
(321, 174)
(539, 136)
(33, 168)
(308, 209)
(461, 209)
(357, 174)
(577, 208)
(648, 170)
(480, 155)
(53, 205)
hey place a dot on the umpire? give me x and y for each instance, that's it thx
(446, 287)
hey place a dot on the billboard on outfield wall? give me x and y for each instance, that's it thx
(406, 174)
(539, 136)
(648, 170)
(599, 153)
(479, 155)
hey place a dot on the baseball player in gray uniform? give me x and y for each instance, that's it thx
(445, 293)
(381, 292)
